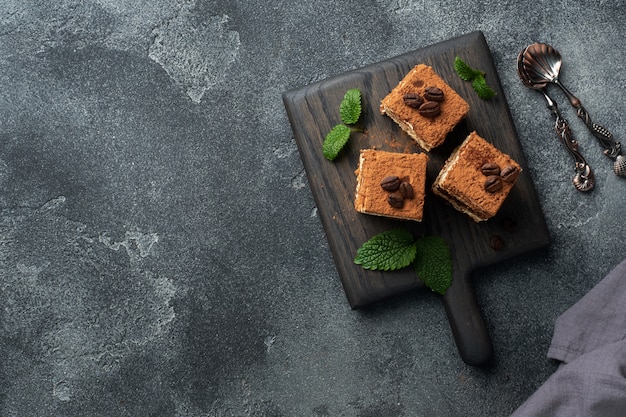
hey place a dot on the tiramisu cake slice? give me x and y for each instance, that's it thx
(477, 178)
(425, 107)
(391, 184)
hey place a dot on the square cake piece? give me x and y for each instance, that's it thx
(391, 184)
(477, 178)
(425, 107)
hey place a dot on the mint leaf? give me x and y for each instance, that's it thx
(350, 112)
(479, 84)
(464, 71)
(395, 249)
(335, 140)
(476, 77)
(390, 250)
(433, 263)
(350, 107)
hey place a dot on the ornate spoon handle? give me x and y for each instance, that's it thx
(584, 179)
(611, 148)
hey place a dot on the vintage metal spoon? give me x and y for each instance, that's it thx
(542, 64)
(584, 179)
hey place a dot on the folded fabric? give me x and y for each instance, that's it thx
(590, 341)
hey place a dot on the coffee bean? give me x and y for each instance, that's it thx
(490, 169)
(433, 94)
(406, 190)
(493, 184)
(430, 109)
(509, 173)
(496, 243)
(413, 100)
(390, 183)
(395, 200)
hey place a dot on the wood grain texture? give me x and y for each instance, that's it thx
(314, 109)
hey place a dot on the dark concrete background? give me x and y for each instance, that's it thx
(160, 253)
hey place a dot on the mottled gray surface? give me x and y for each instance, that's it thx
(160, 252)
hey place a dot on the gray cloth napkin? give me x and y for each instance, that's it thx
(590, 341)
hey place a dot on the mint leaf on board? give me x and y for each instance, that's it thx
(389, 250)
(433, 263)
(464, 71)
(350, 107)
(479, 84)
(474, 76)
(350, 112)
(395, 249)
(335, 140)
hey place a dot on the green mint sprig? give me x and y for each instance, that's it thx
(350, 112)
(435, 263)
(387, 251)
(474, 76)
(350, 107)
(395, 249)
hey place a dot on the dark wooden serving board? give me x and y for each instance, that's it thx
(314, 109)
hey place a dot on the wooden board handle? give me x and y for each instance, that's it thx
(466, 321)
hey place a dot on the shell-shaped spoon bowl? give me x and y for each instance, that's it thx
(541, 63)
(619, 166)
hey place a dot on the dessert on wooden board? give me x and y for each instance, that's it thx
(346, 230)
(391, 184)
(425, 106)
(477, 178)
